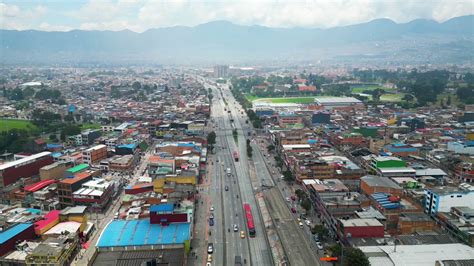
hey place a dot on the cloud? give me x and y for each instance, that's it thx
(13, 17)
(140, 15)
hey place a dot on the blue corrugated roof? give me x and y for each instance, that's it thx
(141, 232)
(13, 231)
(128, 146)
(167, 207)
(56, 154)
(53, 145)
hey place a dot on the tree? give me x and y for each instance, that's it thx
(53, 137)
(408, 97)
(16, 95)
(299, 193)
(249, 151)
(69, 118)
(69, 130)
(288, 176)
(28, 92)
(115, 92)
(136, 85)
(306, 204)
(448, 101)
(321, 231)
(211, 139)
(376, 94)
(355, 256)
(351, 256)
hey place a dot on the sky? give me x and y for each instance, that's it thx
(140, 15)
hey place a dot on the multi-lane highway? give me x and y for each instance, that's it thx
(296, 246)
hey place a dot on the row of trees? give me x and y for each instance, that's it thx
(19, 94)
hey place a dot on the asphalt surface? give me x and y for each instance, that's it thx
(294, 240)
(259, 247)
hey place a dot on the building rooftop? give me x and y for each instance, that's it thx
(162, 208)
(120, 233)
(359, 222)
(397, 170)
(379, 181)
(13, 231)
(39, 185)
(71, 227)
(77, 177)
(329, 100)
(430, 172)
(417, 255)
(24, 160)
(78, 168)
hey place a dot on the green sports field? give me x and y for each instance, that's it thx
(7, 124)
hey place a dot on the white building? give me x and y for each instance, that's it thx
(334, 102)
(461, 148)
(442, 199)
(418, 255)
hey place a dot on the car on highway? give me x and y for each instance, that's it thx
(209, 258)
(226, 188)
(210, 248)
(242, 234)
(236, 228)
(319, 245)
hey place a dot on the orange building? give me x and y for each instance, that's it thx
(94, 154)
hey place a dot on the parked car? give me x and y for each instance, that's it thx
(308, 222)
(212, 208)
(319, 245)
(226, 188)
(293, 210)
(242, 234)
(300, 224)
(210, 248)
(209, 258)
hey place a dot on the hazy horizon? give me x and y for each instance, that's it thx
(142, 15)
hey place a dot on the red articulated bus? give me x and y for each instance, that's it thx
(236, 156)
(249, 217)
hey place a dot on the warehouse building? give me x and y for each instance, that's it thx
(25, 167)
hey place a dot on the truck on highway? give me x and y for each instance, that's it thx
(236, 156)
(238, 261)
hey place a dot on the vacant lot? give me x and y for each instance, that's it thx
(7, 124)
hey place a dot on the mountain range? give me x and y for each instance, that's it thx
(381, 41)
